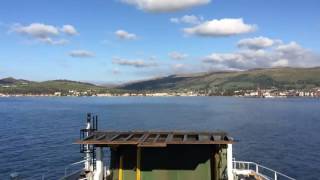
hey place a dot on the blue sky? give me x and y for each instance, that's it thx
(124, 40)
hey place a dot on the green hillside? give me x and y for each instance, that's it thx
(213, 82)
(14, 86)
(282, 78)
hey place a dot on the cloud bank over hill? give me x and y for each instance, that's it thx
(257, 43)
(263, 52)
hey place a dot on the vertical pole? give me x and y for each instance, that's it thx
(93, 122)
(138, 175)
(257, 168)
(120, 168)
(275, 176)
(96, 127)
(87, 146)
(229, 162)
(98, 174)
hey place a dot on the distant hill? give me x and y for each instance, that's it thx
(282, 78)
(10, 81)
(211, 83)
(20, 86)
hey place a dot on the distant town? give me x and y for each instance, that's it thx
(262, 93)
(262, 83)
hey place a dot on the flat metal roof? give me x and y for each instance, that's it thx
(155, 138)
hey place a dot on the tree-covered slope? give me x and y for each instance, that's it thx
(282, 78)
(14, 86)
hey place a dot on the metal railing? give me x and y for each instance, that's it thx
(72, 165)
(262, 171)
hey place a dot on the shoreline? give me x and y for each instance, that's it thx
(112, 96)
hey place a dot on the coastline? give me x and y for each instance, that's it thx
(119, 95)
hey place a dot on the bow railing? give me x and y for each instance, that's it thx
(263, 172)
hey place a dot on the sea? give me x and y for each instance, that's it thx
(37, 134)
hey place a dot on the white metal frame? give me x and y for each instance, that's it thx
(71, 165)
(256, 168)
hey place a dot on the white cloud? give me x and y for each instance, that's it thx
(44, 33)
(81, 54)
(178, 66)
(188, 19)
(238, 60)
(222, 27)
(138, 63)
(222, 57)
(175, 20)
(182, 68)
(69, 30)
(165, 5)
(51, 41)
(177, 55)
(122, 34)
(257, 43)
(280, 62)
(291, 54)
(36, 30)
(291, 47)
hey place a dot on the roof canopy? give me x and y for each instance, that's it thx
(155, 139)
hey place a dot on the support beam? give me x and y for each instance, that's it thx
(98, 173)
(129, 137)
(101, 137)
(229, 162)
(185, 138)
(87, 163)
(138, 173)
(121, 168)
(156, 138)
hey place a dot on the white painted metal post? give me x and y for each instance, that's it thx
(275, 176)
(87, 153)
(229, 162)
(98, 173)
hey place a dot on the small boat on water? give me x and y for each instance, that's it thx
(161, 155)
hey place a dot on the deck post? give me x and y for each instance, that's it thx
(120, 176)
(138, 175)
(98, 174)
(87, 163)
(229, 162)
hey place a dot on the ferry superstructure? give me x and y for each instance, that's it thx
(162, 155)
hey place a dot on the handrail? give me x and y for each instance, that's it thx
(72, 164)
(257, 166)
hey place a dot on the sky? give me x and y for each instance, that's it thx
(116, 41)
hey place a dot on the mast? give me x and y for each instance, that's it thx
(87, 151)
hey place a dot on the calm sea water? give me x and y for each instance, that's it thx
(36, 134)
